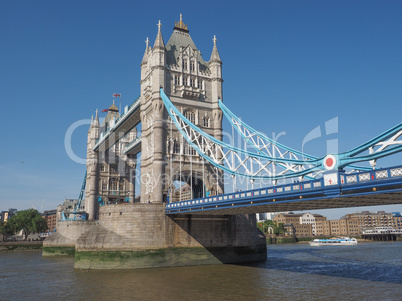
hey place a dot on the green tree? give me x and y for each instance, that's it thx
(264, 226)
(279, 228)
(29, 221)
(6, 229)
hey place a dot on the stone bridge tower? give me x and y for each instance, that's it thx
(194, 87)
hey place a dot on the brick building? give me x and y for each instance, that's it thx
(51, 218)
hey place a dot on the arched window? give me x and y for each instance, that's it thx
(190, 115)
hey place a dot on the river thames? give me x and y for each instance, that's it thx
(368, 271)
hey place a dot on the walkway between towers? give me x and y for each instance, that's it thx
(121, 126)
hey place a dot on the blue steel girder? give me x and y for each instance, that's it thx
(219, 153)
(263, 144)
(238, 161)
(376, 187)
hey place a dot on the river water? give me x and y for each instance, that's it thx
(368, 271)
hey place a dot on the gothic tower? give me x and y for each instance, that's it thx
(194, 87)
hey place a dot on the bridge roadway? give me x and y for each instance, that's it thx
(334, 190)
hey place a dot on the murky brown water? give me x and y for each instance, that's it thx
(370, 271)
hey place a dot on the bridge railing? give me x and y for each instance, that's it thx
(289, 191)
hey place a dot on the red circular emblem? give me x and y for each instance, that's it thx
(329, 162)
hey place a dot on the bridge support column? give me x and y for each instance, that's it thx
(142, 236)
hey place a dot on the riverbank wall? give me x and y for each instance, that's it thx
(22, 246)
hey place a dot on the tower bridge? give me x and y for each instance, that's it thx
(180, 111)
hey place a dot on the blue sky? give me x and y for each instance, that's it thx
(287, 66)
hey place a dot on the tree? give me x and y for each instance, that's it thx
(6, 229)
(264, 226)
(29, 221)
(279, 229)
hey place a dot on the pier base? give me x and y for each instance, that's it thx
(129, 236)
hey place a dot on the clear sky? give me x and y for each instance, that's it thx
(288, 66)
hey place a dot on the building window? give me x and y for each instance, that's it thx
(113, 183)
(190, 115)
(192, 66)
(192, 82)
(104, 185)
(103, 167)
(177, 80)
(184, 64)
(188, 149)
(205, 122)
(113, 167)
(185, 81)
(176, 147)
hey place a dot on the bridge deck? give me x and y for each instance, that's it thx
(377, 187)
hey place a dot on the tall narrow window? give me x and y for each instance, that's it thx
(205, 122)
(176, 80)
(176, 147)
(185, 64)
(104, 185)
(190, 115)
(113, 183)
(192, 82)
(192, 66)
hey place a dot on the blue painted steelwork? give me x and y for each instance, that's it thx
(261, 143)
(359, 184)
(186, 128)
(218, 153)
(238, 124)
(77, 213)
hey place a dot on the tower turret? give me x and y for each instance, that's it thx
(215, 65)
(92, 181)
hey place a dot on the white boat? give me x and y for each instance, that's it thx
(338, 241)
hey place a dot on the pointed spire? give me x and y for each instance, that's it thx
(215, 54)
(145, 58)
(96, 121)
(159, 39)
